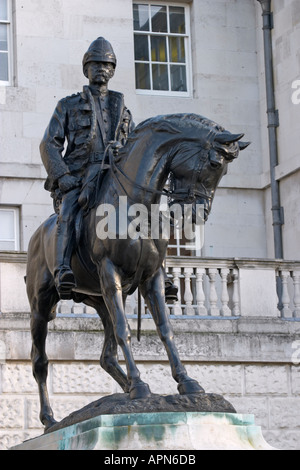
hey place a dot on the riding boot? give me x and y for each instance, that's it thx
(63, 275)
(65, 243)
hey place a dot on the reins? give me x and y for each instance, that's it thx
(177, 194)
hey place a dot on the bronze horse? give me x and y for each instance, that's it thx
(196, 152)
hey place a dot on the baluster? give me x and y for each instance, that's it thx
(64, 307)
(90, 310)
(235, 293)
(77, 308)
(188, 296)
(177, 309)
(213, 296)
(144, 308)
(225, 310)
(200, 296)
(285, 298)
(135, 302)
(296, 280)
(129, 305)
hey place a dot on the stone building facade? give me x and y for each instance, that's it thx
(224, 79)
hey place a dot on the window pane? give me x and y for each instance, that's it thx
(7, 225)
(160, 77)
(187, 252)
(4, 66)
(178, 78)
(3, 37)
(3, 10)
(142, 76)
(140, 17)
(172, 251)
(141, 50)
(177, 49)
(158, 49)
(177, 21)
(159, 19)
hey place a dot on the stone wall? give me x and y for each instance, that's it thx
(228, 86)
(253, 362)
(225, 88)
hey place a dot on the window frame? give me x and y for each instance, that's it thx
(9, 23)
(16, 222)
(186, 247)
(168, 34)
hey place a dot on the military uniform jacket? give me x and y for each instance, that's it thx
(75, 121)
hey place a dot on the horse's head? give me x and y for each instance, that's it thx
(200, 160)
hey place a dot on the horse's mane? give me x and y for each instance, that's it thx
(175, 123)
(170, 123)
(179, 124)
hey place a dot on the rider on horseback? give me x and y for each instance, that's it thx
(88, 121)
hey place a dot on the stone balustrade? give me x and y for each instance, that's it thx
(207, 288)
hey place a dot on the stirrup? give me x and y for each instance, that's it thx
(171, 293)
(65, 283)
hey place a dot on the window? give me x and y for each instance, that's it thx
(161, 48)
(180, 246)
(5, 43)
(9, 229)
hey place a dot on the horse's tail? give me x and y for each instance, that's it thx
(37, 263)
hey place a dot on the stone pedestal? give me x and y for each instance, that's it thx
(155, 431)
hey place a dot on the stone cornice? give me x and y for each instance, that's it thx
(13, 257)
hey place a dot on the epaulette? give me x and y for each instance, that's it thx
(72, 97)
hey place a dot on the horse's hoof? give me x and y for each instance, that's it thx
(48, 422)
(140, 390)
(189, 386)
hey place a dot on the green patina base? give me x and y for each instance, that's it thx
(155, 431)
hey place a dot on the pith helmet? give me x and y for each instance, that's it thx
(99, 51)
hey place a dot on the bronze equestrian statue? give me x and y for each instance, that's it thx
(195, 152)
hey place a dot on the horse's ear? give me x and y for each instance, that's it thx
(243, 145)
(227, 138)
(165, 126)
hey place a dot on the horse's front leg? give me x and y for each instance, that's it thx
(153, 292)
(109, 357)
(112, 293)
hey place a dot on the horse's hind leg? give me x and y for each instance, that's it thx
(42, 311)
(109, 357)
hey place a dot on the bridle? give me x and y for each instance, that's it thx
(191, 193)
(184, 195)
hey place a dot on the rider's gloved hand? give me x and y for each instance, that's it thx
(115, 145)
(68, 182)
